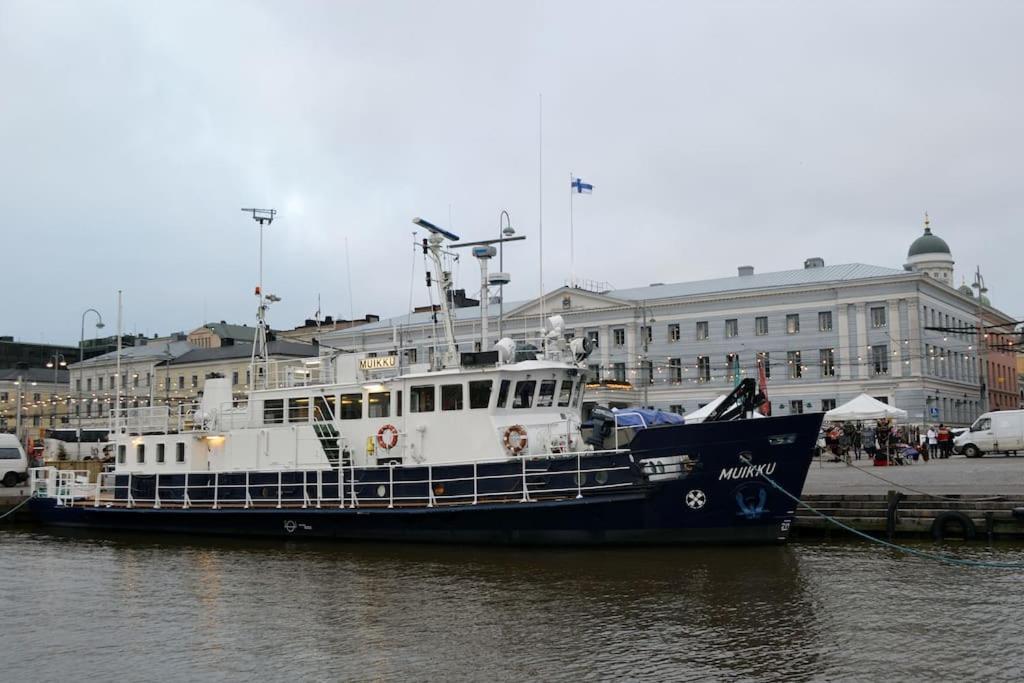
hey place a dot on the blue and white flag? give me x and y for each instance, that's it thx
(582, 187)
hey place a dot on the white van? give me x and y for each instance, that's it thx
(13, 463)
(999, 431)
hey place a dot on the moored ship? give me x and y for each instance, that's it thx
(482, 446)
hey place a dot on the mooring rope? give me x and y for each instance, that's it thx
(924, 493)
(938, 557)
(15, 508)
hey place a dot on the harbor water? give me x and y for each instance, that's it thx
(89, 606)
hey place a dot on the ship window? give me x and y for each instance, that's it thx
(579, 394)
(399, 404)
(379, 404)
(140, 453)
(524, 394)
(273, 411)
(547, 393)
(421, 399)
(324, 408)
(451, 397)
(160, 452)
(179, 453)
(480, 393)
(503, 393)
(121, 454)
(298, 410)
(565, 395)
(351, 407)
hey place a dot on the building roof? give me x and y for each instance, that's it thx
(928, 244)
(229, 331)
(784, 278)
(40, 375)
(275, 348)
(136, 353)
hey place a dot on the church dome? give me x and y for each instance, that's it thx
(928, 244)
(966, 290)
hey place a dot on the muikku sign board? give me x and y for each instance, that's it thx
(378, 363)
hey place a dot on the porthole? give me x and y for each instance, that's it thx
(601, 478)
(581, 478)
(382, 491)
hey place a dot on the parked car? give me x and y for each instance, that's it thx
(13, 462)
(1001, 431)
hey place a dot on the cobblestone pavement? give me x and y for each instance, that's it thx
(995, 474)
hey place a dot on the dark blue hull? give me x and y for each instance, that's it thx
(720, 499)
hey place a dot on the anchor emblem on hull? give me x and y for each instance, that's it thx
(751, 500)
(696, 499)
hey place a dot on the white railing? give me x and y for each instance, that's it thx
(312, 489)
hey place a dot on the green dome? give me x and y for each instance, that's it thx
(966, 290)
(928, 244)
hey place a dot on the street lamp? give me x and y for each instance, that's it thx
(81, 357)
(58, 361)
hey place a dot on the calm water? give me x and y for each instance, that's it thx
(83, 606)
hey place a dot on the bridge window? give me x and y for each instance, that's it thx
(379, 404)
(160, 452)
(451, 397)
(298, 410)
(503, 393)
(273, 411)
(421, 399)
(547, 393)
(324, 408)
(480, 393)
(140, 453)
(565, 395)
(179, 455)
(351, 407)
(524, 394)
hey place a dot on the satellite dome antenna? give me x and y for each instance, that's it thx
(259, 348)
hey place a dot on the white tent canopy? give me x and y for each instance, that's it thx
(701, 413)
(864, 408)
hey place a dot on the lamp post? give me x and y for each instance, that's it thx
(58, 361)
(81, 358)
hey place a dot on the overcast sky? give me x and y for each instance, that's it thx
(716, 134)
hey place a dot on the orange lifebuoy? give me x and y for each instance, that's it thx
(392, 439)
(515, 439)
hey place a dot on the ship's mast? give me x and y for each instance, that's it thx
(260, 357)
(443, 283)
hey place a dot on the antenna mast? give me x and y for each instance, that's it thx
(259, 348)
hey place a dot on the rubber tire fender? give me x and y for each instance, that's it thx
(942, 522)
(10, 479)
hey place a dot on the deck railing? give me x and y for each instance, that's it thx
(529, 480)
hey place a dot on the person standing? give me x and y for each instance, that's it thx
(933, 442)
(944, 441)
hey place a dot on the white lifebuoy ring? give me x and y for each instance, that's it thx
(515, 439)
(95, 451)
(392, 440)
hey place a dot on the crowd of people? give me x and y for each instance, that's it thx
(885, 443)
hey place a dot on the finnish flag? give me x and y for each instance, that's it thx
(582, 187)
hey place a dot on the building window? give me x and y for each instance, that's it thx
(619, 336)
(792, 323)
(702, 330)
(179, 452)
(88, 384)
(234, 378)
(135, 381)
(703, 368)
(647, 371)
(99, 384)
(181, 381)
(676, 408)
(878, 316)
(825, 321)
(761, 325)
(827, 404)
(796, 407)
(826, 359)
(732, 327)
(732, 369)
(195, 381)
(765, 358)
(645, 334)
(619, 372)
(593, 373)
(673, 332)
(880, 359)
(36, 398)
(78, 385)
(796, 370)
(675, 370)
(595, 338)
(167, 383)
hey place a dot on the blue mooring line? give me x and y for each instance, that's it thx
(902, 548)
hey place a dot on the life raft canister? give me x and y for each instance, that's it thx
(391, 440)
(515, 439)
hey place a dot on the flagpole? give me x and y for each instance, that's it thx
(540, 199)
(572, 252)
